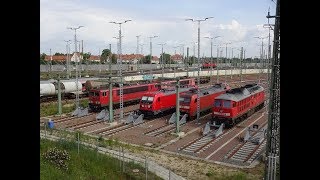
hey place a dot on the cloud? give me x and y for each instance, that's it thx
(172, 29)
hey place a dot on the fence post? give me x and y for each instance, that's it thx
(78, 142)
(122, 159)
(45, 129)
(146, 166)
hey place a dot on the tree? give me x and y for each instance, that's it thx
(86, 57)
(114, 58)
(147, 59)
(59, 54)
(166, 58)
(104, 55)
(42, 58)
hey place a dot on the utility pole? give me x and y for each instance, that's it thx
(50, 65)
(241, 54)
(211, 38)
(59, 96)
(162, 56)
(67, 59)
(198, 97)
(137, 52)
(81, 56)
(261, 55)
(272, 166)
(110, 100)
(217, 63)
(188, 62)
(77, 62)
(120, 69)
(177, 107)
(183, 59)
(151, 46)
(225, 71)
(110, 61)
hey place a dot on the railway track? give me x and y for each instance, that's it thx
(247, 151)
(161, 130)
(202, 143)
(107, 131)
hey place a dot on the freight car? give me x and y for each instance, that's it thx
(188, 100)
(237, 104)
(159, 102)
(68, 89)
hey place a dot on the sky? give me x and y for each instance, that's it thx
(236, 22)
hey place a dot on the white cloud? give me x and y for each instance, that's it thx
(98, 32)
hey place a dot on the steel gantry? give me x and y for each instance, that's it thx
(198, 67)
(120, 66)
(272, 168)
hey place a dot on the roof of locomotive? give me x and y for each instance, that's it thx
(165, 92)
(117, 86)
(240, 93)
(208, 90)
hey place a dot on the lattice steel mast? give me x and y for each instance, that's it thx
(273, 131)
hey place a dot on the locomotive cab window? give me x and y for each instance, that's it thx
(158, 99)
(227, 104)
(185, 99)
(217, 103)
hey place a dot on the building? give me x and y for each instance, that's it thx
(155, 60)
(176, 58)
(76, 57)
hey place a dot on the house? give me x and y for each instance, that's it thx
(176, 58)
(155, 60)
(56, 58)
(94, 58)
(76, 57)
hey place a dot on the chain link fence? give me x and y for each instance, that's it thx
(127, 162)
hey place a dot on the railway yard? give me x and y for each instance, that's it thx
(238, 146)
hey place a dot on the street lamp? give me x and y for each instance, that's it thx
(211, 38)
(120, 61)
(162, 62)
(77, 62)
(198, 97)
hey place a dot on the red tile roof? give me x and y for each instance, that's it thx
(55, 58)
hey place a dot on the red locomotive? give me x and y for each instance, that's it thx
(154, 103)
(188, 100)
(237, 104)
(99, 97)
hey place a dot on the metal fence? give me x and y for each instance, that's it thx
(105, 67)
(127, 162)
